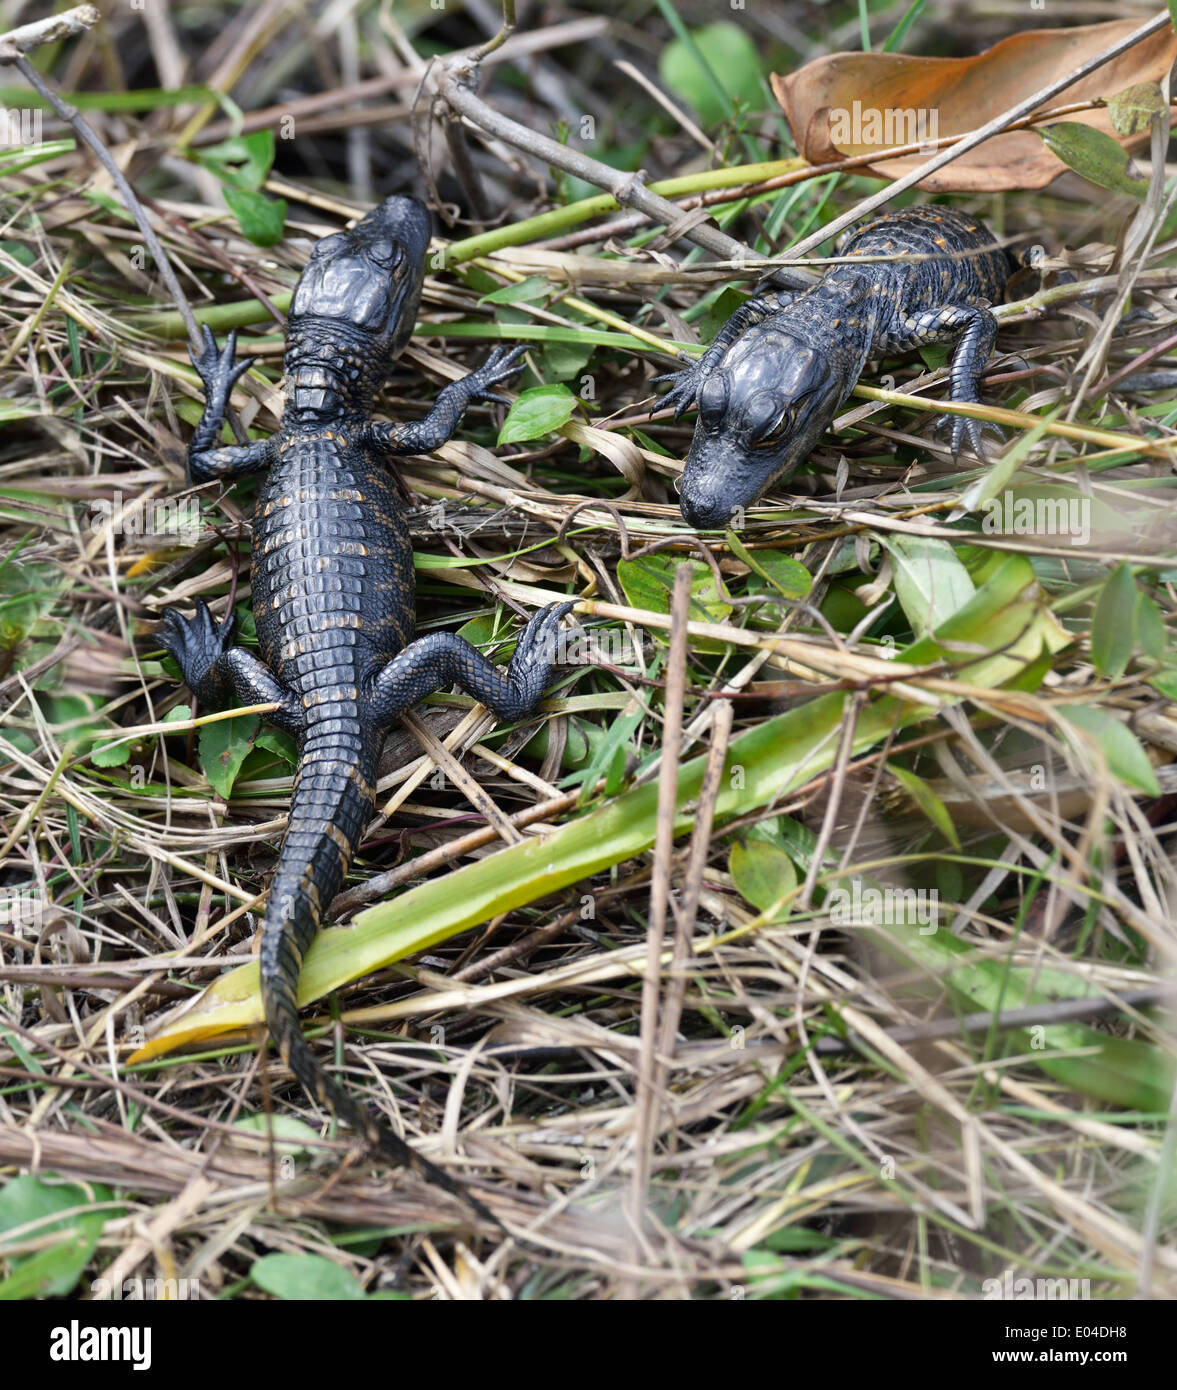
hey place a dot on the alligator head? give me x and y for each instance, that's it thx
(761, 411)
(355, 304)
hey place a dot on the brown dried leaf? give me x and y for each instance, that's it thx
(853, 103)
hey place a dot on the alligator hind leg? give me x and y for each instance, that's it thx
(216, 672)
(976, 329)
(442, 658)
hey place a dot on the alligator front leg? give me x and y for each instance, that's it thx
(442, 658)
(423, 436)
(976, 329)
(687, 381)
(206, 460)
(220, 675)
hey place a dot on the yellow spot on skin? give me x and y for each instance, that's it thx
(339, 839)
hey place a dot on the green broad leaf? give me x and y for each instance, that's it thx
(789, 577)
(111, 754)
(262, 219)
(306, 1278)
(1166, 682)
(242, 162)
(716, 66)
(290, 1136)
(930, 582)
(648, 583)
(651, 444)
(927, 800)
(1113, 625)
(563, 361)
(1150, 628)
(763, 874)
(528, 291)
(179, 714)
(1125, 756)
(224, 746)
(275, 741)
(1135, 108)
(538, 411)
(53, 1272)
(1095, 156)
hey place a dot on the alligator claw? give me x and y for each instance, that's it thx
(196, 643)
(502, 364)
(216, 367)
(536, 651)
(682, 395)
(960, 427)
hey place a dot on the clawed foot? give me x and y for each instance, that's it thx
(682, 394)
(962, 427)
(217, 368)
(536, 651)
(502, 364)
(196, 643)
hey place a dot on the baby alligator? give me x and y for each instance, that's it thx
(770, 384)
(333, 592)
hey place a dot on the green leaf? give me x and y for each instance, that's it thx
(262, 219)
(733, 60)
(537, 412)
(648, 582)
(275, 741)
(306, 1278)
(290, 1136)
(525, 292)
(930, 582)
(242, 162)
(1166, 682)
(763, 874)
(1113, 625)
(788, 576)
(1094, 155)
(927, 800)
(224, 746)
(1126, 758)
(111, 754)
(1150, 627)
(54, 1271)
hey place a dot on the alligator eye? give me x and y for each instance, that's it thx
(777, 431)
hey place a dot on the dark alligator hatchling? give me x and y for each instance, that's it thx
(333, 591)
(771, 383)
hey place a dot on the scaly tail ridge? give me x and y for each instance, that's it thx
(329, 809)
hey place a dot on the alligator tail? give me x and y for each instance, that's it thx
(328, 811)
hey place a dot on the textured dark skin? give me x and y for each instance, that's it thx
(334, 593)
(771, 383)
